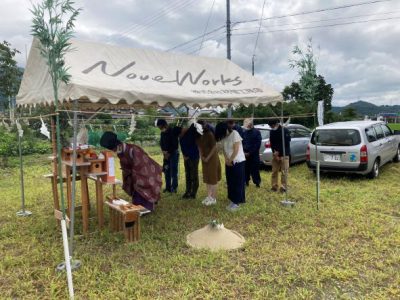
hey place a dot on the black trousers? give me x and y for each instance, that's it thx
(170, 167)
(253, 168)
(192, 176)
(235, 178)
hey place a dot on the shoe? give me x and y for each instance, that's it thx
(174, 191)
(232, 207)
(192, 197)
(185, 196)
(205, 200)
(211, 201)
(166, 191)
(258, 186)
(274, 189)
(282, 190)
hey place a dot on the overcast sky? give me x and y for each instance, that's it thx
(359, 58)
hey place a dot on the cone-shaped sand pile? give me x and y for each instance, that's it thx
(215, 238)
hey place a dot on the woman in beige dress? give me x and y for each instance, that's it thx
(210, 162)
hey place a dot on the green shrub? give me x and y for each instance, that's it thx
(30, 143)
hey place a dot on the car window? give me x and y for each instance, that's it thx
(386, 130)
(336, 137)
(379, 132)
(299, 133)
(371, 136)
(264, 133)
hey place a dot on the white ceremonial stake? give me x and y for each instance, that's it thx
(67, 259)
(19, 128)
(44, 130)
(320, 112)
(133, 125)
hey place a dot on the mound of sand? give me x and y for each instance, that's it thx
(214, 239)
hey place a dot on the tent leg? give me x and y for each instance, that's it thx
(22, 212)
(76, 263)
(285, 202)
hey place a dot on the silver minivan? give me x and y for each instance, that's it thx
(300, 136)
(360, 147)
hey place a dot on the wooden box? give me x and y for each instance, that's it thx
(67, 155)
(125, 218)
(96, 165)
(109, 167)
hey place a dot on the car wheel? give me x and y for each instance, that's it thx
(375, 170)
(396, 158)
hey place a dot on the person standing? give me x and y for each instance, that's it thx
(280, 146)
(210, 162)
(232, 125)
(169, 148)
(190, 152)
(141, 175)
(235, 161)
(251, 147)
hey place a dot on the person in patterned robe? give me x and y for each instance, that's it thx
(141, 175)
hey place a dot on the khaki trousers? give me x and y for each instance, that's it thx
(280, 164)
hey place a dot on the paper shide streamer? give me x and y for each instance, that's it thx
(133, 125)
(19, 128)
(44, 130)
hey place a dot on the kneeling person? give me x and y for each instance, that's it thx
(141, 175)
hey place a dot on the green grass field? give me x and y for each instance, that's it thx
(349, 249)
(395, 126)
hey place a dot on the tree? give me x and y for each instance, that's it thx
(10, 74)
(311, 87)
(306, 66)
(349, 114)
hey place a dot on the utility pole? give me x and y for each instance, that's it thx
(228, 40)
(252, 64)
(228, 29)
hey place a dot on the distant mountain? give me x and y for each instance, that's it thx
(366, 108)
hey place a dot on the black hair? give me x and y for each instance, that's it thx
(273, 122)
(161, 123)
(109, 140)
(220, 130)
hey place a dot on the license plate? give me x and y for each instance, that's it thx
(332, 157)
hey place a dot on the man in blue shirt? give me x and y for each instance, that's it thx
(190, 152)
(251, 147)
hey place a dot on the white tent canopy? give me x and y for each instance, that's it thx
(102, 72)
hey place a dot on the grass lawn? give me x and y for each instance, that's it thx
(349, 249)
(394, 126)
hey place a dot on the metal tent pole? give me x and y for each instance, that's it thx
(285, 202)
(75, 264)
(22, 212)
(317, 165)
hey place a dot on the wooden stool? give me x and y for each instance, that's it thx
(125, 218)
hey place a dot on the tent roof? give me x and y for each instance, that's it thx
(103, 73)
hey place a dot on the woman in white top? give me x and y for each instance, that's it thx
(235, 162)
